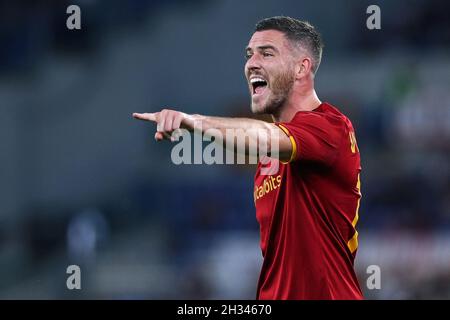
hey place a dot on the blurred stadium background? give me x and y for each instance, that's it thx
(82, 183)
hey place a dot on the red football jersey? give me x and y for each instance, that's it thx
(308, 210)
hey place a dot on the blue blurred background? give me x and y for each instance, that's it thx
(83, 183)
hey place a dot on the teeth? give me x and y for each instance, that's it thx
(253, 80)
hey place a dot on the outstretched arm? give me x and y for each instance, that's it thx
(256, 131)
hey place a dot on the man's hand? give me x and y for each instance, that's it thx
(167, 121)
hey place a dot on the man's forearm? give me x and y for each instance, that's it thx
(223, 123)
(244, 132)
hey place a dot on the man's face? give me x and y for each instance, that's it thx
(269, 70)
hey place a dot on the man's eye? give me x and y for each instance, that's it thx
(267, 54)
(248, 56)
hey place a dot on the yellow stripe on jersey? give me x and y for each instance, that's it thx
(353, 145)
(294, 145)
(353, 242)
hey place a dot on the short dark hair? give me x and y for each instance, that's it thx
(299, 32)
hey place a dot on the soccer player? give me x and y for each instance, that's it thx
(308, 209)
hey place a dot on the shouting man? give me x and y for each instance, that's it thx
(308, 208)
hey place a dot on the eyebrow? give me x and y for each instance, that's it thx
(260, 48)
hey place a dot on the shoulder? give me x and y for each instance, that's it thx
(326, 115)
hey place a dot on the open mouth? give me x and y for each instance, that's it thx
(258, 85)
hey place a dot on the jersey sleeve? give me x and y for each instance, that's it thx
(314, 137)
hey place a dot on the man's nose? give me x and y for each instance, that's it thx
(253, 63)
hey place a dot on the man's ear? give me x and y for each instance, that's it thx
(303, 67)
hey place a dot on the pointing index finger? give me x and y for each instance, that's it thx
(145, 116)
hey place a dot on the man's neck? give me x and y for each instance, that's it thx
(306, 101)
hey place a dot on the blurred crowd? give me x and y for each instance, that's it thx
(141, 227)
